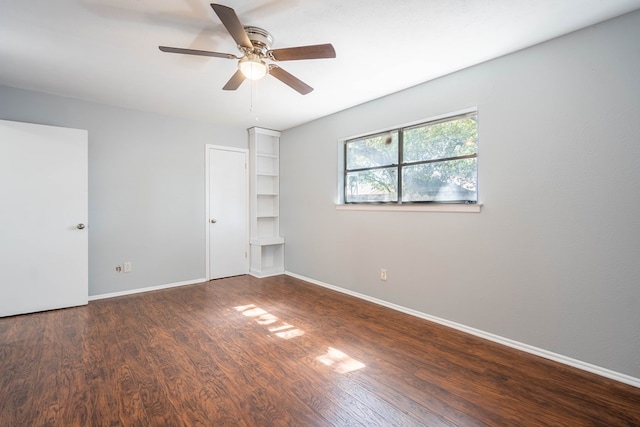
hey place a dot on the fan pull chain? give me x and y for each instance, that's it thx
(253, 83)
(253, 96)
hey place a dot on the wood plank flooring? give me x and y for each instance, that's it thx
(280, 352)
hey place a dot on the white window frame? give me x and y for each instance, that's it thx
(399, 206)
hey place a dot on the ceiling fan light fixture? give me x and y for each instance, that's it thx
(253, 67)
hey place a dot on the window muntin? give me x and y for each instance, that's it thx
(431, 162)
(372, 151)
(440, 140)
(372, 185)
(449, 181)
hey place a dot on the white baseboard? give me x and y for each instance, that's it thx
(607, 373)
(147, 289)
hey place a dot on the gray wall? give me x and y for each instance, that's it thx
(553, 259)
(146, 187)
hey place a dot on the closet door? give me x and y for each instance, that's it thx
(43, 218)
(228, 211)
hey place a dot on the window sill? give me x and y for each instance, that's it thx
(443, 207)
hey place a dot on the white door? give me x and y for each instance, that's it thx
(228, 221)
(43, 218)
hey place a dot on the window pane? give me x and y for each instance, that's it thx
(454, 180)
(441, 140)
(373, 151)
(379, 185)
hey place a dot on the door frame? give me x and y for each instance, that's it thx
(208, 148)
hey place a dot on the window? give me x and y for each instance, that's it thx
(434, 161)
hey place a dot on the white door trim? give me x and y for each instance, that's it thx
(208, 148)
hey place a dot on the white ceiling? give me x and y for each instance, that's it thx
(107, 50)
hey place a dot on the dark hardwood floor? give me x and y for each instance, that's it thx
(259, 352)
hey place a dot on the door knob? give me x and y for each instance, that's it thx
(213, 221)
(80, 226)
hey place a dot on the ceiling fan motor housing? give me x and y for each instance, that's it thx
(261, 39)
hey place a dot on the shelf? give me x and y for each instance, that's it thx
(266, 272)
(266, 228)
(267, 247)
(267, 259)
(268, 242)
(266, 207)
(267, 184)
(267, 165)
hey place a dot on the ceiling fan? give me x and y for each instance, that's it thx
(255, 45)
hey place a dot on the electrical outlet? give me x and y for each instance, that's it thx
(383, 274)
(128, 266)
(118, 269)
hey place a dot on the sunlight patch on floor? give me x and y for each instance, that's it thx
(339, 361)
(279, 328)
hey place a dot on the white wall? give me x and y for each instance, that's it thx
(553, 259)
(146, 187)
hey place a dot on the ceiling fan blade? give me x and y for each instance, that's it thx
(197, 52)
(304, 52)
(235, 81)
(290, 80)
(232, 24)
